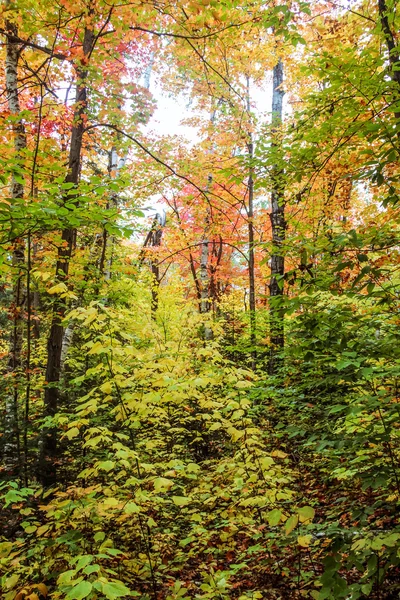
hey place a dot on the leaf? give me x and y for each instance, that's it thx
(30, 529)
(215, 426)
(79, 591)
(11, 582)
(358, 544)
(42, 529)
(83, 562)
(243, 384)
(115, 589)
(279, 454)
(59, 288)
(274, 517)
(131, 508)
(367, 588)
(111, 502)
(180, 500)
(291, 523)
(107, 387)
(306, 513)
(5, 549)
(106, 465)
(304, 540)
(72, 433)
(161, 484)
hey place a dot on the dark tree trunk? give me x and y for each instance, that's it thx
(48, 448)
(392, 46)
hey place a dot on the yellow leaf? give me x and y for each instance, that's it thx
(107, 387)
(161, 484)
(72, 433)
(96, 348)
(291, 523)
(59, 288)
(304, 540)
(243, 384)
(11, 582)
(279, 454)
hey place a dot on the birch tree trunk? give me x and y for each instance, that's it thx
(12, 457)
(48, 447)
(278, 226)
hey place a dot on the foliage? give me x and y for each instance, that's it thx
(148, 447)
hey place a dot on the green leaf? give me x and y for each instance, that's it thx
(161, 484)
(291, 523)
(180, 500)
(79, 591)
(11, 582)
(131, 508)
(106, 465)
(115, 589)
(5, 549)
(367, 588)
(274, 517)
(83, 561)
(306, 513)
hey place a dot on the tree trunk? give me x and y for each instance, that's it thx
(204, 278)
(204, 255)
(12, 459)
(48, 447)
(278, 226)
(250, 227)
(392, 46)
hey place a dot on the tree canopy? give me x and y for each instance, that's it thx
(199, 336)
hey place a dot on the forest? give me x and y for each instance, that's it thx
(199, 299)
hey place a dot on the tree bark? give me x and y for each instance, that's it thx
(12, 458)
(204, 278)
(392, 46)
(250, 228)
(278, 226)
(48, 448)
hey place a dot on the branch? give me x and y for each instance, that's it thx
(181, 36)
(15, 39)
(149, 153)
(200, 244)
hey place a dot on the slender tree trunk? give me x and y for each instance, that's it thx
(204, 256)
(155, 269)
(12, 457)
(204, 278)
(278, 226)
(392, 46)
(48, 448)
(191, 259)
(250, 226)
